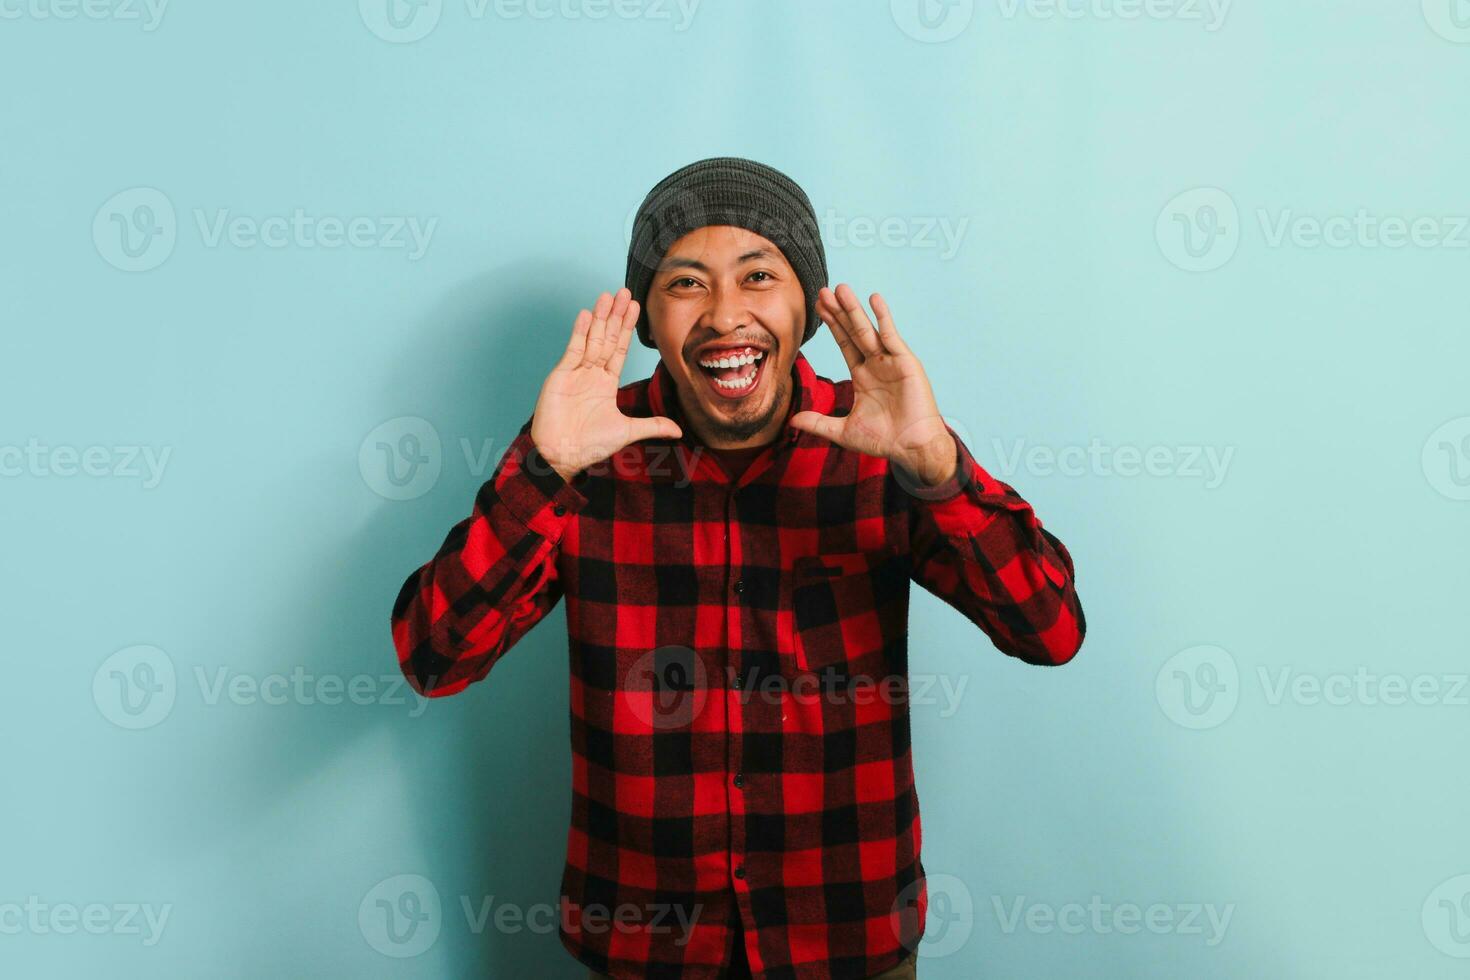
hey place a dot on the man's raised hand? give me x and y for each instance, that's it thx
(577, 421)
(893, 414)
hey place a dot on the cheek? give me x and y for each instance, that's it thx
(784, 313)
(669, 326)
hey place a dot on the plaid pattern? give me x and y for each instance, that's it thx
(738, 661)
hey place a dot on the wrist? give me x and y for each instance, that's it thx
(547, 461)
(936, 463)
(566, 473)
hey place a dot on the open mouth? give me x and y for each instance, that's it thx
(733, 372)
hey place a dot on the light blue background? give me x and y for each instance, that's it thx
(1333, 541)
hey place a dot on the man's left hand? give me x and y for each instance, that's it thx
(893, 410)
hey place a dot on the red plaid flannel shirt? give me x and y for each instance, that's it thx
(739, 665)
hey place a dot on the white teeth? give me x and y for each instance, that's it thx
(737, 384)
(737, 361)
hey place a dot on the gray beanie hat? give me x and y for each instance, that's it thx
(727, 191)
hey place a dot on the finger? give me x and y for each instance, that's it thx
(625, 337)
(831, 315)
(597, 332)
(614, 322)
(889, 330)
(658, 427)
(610, 338)
(577, 346)
(859, 327)
(621, 299)
(817, 424)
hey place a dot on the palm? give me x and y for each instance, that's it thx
(577, 421)
(893, 413)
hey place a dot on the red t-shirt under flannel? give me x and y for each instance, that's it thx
(738, 658)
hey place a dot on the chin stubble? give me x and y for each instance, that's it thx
(739, 429)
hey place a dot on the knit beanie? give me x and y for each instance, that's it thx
(726, 191)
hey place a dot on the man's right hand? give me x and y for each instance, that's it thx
(577, 422)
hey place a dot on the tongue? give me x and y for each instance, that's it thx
(730, 374)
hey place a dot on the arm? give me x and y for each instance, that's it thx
(978, 546)
(492, 580)
(975, 543)
(495, 575)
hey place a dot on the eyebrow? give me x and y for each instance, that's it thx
(681, 262)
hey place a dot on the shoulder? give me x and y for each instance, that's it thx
(841, 395)
(830, 397)
(633, 398)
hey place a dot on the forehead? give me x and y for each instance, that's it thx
(717, 246)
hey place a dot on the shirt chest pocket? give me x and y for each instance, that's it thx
(848, 610)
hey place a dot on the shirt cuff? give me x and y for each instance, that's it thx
(952, 504)
(535, 492)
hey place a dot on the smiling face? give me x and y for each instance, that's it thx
(727, 313)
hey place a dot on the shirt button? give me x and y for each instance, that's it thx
(558, 510)
(739, 780)
(739, 586)
(740, 871)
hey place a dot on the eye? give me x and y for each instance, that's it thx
(681, 280)
(761, 272)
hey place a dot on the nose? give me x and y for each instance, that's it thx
(726, 312)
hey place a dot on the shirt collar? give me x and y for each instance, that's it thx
(809, 392)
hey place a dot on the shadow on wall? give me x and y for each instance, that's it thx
(479, 781)
(496, 804)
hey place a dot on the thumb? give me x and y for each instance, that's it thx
(817, 424)
(658, 427)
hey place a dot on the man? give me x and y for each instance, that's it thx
(735, 537)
